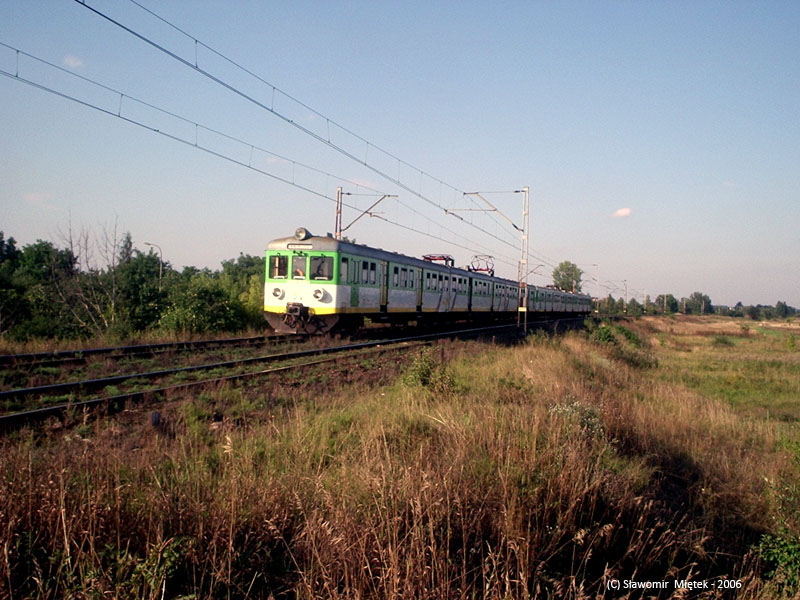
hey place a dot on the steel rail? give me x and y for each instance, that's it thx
(116, 403)
(65, 356)
(107, 381)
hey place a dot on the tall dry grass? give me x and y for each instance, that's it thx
(541, 470)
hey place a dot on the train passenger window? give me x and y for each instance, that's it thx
(396, 276)
(404, 278)
(322, 268)
(372, 273)
(343, 269)
(354, 272)
(278, 267)
(364, 272)
(427, 281)
(411, 278)
(298, 267)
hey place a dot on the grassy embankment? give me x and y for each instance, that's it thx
(483, 472)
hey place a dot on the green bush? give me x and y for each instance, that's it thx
(782, 554)
(202, 306)
(426, 372)
(604, 335)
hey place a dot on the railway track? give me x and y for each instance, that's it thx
(117, 401)
(66, 357)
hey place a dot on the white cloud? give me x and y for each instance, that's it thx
(72, 61)
(622, 213)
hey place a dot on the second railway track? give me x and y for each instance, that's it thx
(66, 357)
(16, 419)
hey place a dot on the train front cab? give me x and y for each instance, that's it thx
(300, 292)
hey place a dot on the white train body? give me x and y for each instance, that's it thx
(316, 283)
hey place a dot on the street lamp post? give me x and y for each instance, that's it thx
(160, 262)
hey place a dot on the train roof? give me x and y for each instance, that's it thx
(305, 240)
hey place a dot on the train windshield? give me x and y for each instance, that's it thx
(299, 267)
(278, 267)
(321, 268)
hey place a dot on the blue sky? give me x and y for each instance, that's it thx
(660, 141)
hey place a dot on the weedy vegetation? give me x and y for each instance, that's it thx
(481, 471)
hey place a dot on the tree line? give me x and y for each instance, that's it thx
(103, 286)
(106, 287)
(567, 277)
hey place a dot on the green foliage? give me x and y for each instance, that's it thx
(604, 335)
(567, 277)
(666, 304)
(782, 554)
(699, 304)
(542, 338)
(762, 312)
(722, 340)
(201, 305)
(153, 575)
(50, 292)
(40, 277)
(634, 308)
(631, 336)
(140, 282)
(624, 345)
(243, 281)
(427, 372)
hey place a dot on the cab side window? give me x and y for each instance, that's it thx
(278, 267)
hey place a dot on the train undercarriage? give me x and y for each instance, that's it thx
(298, 319)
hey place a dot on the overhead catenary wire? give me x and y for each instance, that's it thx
(195, 143)
(271, 109)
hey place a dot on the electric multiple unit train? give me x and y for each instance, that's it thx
(316, 284)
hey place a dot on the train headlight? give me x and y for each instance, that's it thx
(278, 293)
(318, 294)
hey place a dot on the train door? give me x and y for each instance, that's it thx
(353, 279)
(469, 294)
(384, 283)
(450, 291)
(418, 277)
